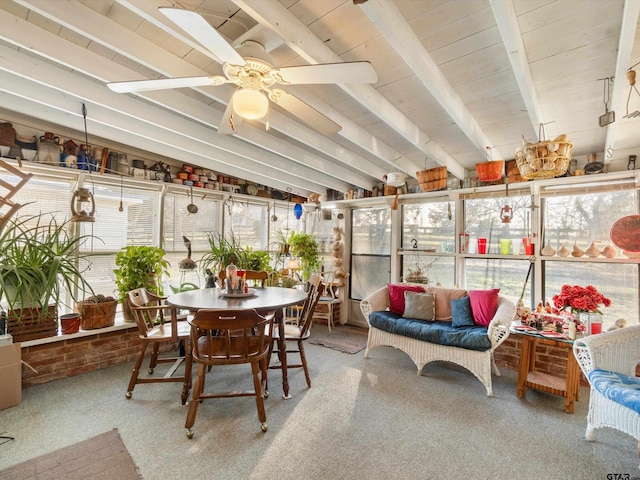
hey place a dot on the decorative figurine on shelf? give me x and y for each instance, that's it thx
(187, 263)
(210, 281)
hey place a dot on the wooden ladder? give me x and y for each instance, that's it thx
(7, 206)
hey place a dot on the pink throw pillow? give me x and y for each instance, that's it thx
(484, 304)
(443, 300)
(396, 296)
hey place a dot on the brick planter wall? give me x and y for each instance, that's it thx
(73, 356)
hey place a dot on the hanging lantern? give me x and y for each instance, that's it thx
(83, 206)
(297, 211)
(506, 214)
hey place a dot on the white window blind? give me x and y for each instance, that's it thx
(137, 224)
(247, 221)
(179, 223)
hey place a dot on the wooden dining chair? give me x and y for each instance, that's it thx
(154, 329)
(254, 277)
(230, 337)
(298, 333)
(328, 301)
(257, 278)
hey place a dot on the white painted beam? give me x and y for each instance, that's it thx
(28, 36)
(147, 121)
(274, 15)
(395, 28)
(630, 15)
(511, 35)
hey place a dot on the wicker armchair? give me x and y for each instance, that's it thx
(609, 361)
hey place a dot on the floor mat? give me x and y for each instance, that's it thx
(344, 339)
(101, 457)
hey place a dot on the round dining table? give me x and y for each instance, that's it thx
(263, 300)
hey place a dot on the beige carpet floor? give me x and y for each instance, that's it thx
(372, 419)
(101, 457)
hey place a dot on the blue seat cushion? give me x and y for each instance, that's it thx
(441, 333)
(617, 387)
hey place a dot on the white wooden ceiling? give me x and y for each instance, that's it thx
(454, 77)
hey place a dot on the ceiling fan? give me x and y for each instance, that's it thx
(251, 68)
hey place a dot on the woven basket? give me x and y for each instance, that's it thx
(513, 174)
(432, 174)
(490, 171)
(433, 185)
(546, 159)
(389, 190)
(97, 315)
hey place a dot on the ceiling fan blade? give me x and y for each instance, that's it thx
(165, 83)
(304, 112)
(195, 25)
(230, 122)
(349, 72)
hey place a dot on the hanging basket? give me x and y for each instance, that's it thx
(544, 159)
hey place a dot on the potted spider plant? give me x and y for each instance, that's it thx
(139, 266)
(305, 247)
(39, 264)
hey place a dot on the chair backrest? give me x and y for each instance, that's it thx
(252, 276)
(256, 277)
(144, 306)
(222, 337)
(306, 316)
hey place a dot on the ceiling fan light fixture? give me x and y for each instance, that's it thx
(250, 104)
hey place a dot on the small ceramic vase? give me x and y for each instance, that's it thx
(608, 252)
(548, 250)
(592, 251)
(577, 251)
(563, 251)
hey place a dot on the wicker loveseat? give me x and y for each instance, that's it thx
(471, 347)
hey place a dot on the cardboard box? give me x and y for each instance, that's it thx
(10, 375)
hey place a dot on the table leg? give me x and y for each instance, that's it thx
(573, 383)
(188, 363)
(282, 346)
(525, 364)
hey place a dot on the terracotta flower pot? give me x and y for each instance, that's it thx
(70, 323)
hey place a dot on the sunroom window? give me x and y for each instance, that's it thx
(370, 250)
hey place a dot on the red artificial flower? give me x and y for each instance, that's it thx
(580, 299)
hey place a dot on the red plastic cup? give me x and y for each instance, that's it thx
(529, 246)
(482, 245)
